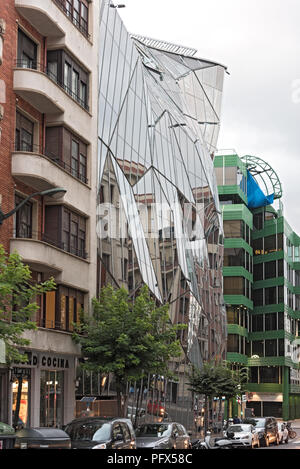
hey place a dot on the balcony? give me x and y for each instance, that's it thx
(43, 16)
(44, 257)
(41, 172)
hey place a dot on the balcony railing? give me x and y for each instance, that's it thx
(65, 247)
(25, 146)
(33, 65)
(81, 25)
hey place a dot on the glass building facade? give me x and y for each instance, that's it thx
(158, 216)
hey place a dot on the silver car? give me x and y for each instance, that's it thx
(167, 435)
(244, 435)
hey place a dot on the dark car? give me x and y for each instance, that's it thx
(42, 438)
(101, 433)
(166, 435)
(267, 430)
(7, 436)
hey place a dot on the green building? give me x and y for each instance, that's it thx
(261, 276)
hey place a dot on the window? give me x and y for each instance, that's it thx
(270, 296)
(23, 133)
(234, 257)
(257, 323)
(233, 228)
(258, 221)
(68, 74)
(233, 343)
(68, 151)
(269, 374)
(271, 322)
(23, 219)
(62, 308)
(258, 272)
(234, 286)
(77, 11)
(230, 175)
(258, 348)
(270, 270)
(66, 230)
(27, 51)
(271, 348)
(258, 297)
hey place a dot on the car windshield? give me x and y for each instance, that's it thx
(87, 431)
(156, 430)
(239, 428)
(259, 423)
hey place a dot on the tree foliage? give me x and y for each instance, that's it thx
(18, 305)
(128, 338)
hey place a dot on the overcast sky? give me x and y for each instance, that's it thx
(259, 42)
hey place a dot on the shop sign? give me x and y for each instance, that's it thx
(21, 372)
(49, 361)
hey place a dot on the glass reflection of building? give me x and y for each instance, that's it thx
(159, 116)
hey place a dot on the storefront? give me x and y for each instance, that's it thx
(266, 404)
(43, 390)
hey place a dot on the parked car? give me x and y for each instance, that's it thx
(7, 436)
(283, 433)
(267, 430)
(244, 434)
(101, 433)
(166, 435)
(131, 412)
(42, 438)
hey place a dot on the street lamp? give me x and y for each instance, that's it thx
(117, 6)
(55, 193)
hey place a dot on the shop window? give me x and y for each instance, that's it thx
(51, 398)
(24, 396)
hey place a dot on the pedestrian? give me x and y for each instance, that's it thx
(236, 419)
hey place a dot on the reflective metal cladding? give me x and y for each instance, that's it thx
(158, 219)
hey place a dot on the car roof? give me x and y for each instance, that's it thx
(99, 419)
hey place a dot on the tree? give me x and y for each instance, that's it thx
(127, 338)
(216, 380)
(18, 307)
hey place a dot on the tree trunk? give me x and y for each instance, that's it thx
(205, 415)
(138, 403)
(119, 404)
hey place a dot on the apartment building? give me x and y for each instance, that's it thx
(261, 285)
(49, 92)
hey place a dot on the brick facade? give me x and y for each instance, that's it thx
(8, 184)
